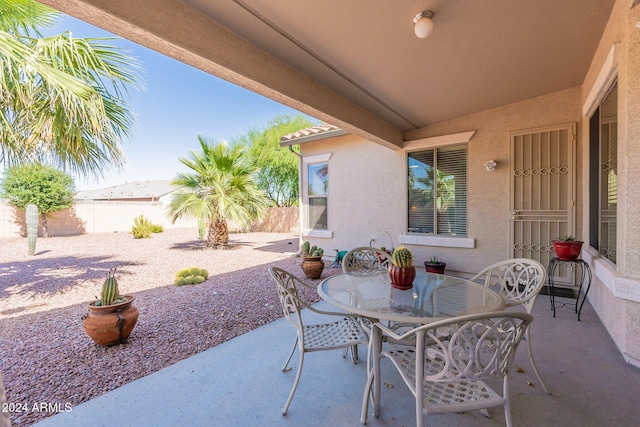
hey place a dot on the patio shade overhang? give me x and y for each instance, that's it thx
(360, 67)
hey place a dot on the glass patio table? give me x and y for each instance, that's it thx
(432, 297)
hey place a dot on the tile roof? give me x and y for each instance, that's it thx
(312, 133)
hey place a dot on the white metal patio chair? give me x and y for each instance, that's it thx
(519, 281)
(447, 368)
(365, 260)
(343, 331)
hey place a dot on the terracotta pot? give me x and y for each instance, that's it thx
(435, 267)
(567, 251)
(312, 266)
(402, 277)
(111, 324)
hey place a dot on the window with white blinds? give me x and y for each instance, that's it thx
(438, 191)
(318, 192)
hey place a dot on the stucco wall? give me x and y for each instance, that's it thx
(368, 183)
(366, 193)
(615, 292)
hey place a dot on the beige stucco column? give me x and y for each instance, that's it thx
(629, 147)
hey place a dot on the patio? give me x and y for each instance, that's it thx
(240, 383)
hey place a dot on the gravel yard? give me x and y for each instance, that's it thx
(45, 354)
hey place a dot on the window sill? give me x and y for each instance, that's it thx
(323, 234)
(444, 241)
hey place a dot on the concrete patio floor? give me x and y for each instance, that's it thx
(240, 383)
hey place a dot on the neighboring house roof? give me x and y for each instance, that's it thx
(151, 190)
(314, 133)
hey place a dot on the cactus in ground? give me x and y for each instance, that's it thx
(110, 290)
(32, 227)
(402, 257)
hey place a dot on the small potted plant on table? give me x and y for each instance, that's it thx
(401, 271)
(567, 248)
(111, 318)
(435, 265)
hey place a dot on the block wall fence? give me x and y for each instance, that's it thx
(117, 216)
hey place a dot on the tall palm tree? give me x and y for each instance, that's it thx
(61, 98)
(220, 188)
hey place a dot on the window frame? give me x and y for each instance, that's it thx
(435, 153)
(309, 231)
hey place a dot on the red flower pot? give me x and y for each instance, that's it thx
(567, 251)
(402, 277)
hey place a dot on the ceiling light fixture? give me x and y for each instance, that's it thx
(423, 24)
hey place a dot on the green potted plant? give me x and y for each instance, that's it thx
(401, 271)
(435, 265)
(567, 248)
(312, 263)
(112, 317)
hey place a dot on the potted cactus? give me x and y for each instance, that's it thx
(435, 265)
(312, 263)
(112, 317)
(401, 271)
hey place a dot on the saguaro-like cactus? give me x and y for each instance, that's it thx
(32, 227)
(110, 291)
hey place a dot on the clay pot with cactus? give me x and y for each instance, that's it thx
(401, 271)
(312, 263)
(112, 317)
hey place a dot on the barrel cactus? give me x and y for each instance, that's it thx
(402, 257)
(110, 291)
(32, 227)
(309, 251)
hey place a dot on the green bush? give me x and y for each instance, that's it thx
(191, 276)
(157, 228)
(141, 228)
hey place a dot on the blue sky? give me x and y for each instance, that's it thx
(177, 103)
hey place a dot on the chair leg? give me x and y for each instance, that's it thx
(533, 363)
(293, 349)
(295, 383)
(507, 401)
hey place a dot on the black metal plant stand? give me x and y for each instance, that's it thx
(585, 274)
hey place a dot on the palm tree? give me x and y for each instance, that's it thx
(221, 188)
(61, 98)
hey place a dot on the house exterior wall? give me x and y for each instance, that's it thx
(376, 203)
(615, 292)
(366, 193)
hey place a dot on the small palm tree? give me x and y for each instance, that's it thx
(61, 98)
(221, 188)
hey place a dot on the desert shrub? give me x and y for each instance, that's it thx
(191, 276)
(141, 228)
(157, 228)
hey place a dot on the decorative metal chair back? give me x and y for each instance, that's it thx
(453, 357)
(481, 347)
(287, 288)
(517, 280)
(365, 260)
